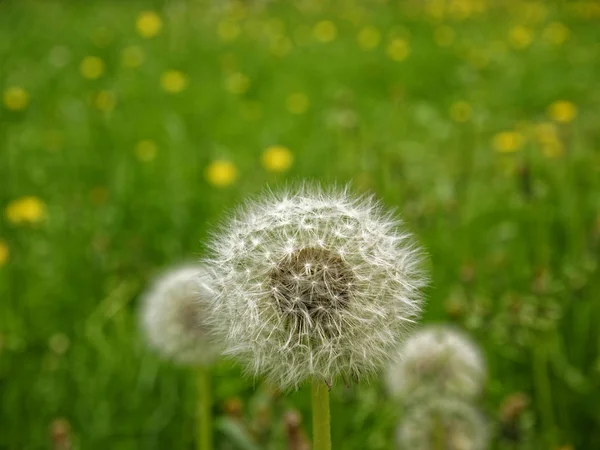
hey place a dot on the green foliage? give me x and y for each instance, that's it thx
(511, 222)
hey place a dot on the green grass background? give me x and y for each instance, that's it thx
(512, 238)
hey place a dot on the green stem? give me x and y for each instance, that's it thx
(438, 433)
(321, 420)
(544, 391)
(204, 431)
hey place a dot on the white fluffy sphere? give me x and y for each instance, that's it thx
(437, 360)
(173, 316)
(313, 283)
(443, 424)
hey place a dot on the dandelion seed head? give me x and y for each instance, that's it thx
(173, 316)
(437, 360)
(313, 283)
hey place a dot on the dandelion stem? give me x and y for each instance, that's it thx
(438, 433)
(321, 419)
(204, 430)
(544, 391)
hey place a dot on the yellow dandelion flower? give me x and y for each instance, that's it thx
(4, 252)
(553, 149)
(508, 141)
(146, 150)
(436, 9)
(26, 210)
(460, 111)
(562, 111)
(281, 46)
(105, 101)
(398, 49)
(251, 110)
(546, 132)
(297, 103)
(556, 33)
(237, 83)
(221, 173)
(368, 38)
(132, 56)
(520, 37)
(444, 36)
(228, 30)
(91, 67)
(16, 98)
(148, 24)
(173, 81)
(277, 158)
(325, 31)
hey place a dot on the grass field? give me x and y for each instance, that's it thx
(127, 129)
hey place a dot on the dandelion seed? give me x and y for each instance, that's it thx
(16, 98)
(314, 283)
(447, 424)
(297, 103)
(26, 210)
(148, 24)
(173, 81)
(277, 158)
(4, 254)
(437, 361)
(221, 173)
(173, 316)
(91, 67)
(562, 111)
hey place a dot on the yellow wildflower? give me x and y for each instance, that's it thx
(4, 252)
(508, 141)
(562, 111)
(228, 30)
(132, 56)
(237, 83)
(251, 110)
(221, 173)
(444, 36)
(148, 24)
(105, 101)
(26, 210)
(277, 158)
(556, 33)
(16, 98)
(146, 150)
(173, 81)
(91, 67)
(281, 46)
(460, 111)
(520, 37)
(546, 132)
(325, 31)
(297, 103)
(368, 38)
(398, 49)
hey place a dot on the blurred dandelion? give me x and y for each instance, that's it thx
(508, 141)
(297, 103)
(277, 158)
(325, 31)
(460, 111)
(148, 24)
(132, 56)
(562, 111)
(444, 36)
(146, 150)
(105, 101)
(436, 361)
(368, 38)
(520, 37)
(251, 110)
(91, 67)
(16, 98)
(237, 83)
(443, 424)
(398, 49)
(173, 81)
(26, 210)
(228, 30)
(556, 33)
(4, 253)
(221, 173)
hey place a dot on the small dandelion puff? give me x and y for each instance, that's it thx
(445, 423)
(438, 361)
(173, 316)
(314, 283)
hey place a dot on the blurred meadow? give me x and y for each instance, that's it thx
(127, 129)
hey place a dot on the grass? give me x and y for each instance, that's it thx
(510, 221)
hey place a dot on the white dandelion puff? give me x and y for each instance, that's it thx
(443, 424)
(314, 283)
(173, 316)
(437, 360)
